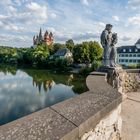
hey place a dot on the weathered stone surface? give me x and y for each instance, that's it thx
(109, 128)
(86, 110)
(42, 125)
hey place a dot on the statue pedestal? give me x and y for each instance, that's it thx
(106, 69)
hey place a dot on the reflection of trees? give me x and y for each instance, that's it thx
(47, 84)
(46, 80)
(8, 69)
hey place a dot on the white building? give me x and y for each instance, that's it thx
(129, 55)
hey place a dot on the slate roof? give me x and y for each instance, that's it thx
(127, 49)
(62, 52)
(138, 42)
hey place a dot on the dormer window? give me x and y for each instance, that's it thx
(136, 50)
(124, 50)
(138, 46)
(130, 50)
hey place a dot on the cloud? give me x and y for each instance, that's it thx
(79, 20)
(60, 36)
(6, 2)
(38, 12)
(14, 40)
(85, 2)
(53, 15)
(134, 20)
(102, 24)
(125, 38)
(7, 24)
(134, 4)
(116, 18)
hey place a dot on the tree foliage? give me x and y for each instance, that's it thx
(87, 52)
(70, 44)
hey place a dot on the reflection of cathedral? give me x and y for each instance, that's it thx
(47, 38)
(47, 84)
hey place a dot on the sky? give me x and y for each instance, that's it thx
(80, 20)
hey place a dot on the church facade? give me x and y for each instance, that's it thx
(47, 38)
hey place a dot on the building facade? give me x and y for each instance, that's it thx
(47, 38)
(129, 55)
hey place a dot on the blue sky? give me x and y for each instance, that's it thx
(80, 20)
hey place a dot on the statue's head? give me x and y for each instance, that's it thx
(109, 27)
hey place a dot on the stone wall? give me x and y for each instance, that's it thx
(109, 128)
(124, 80)
(132, 82)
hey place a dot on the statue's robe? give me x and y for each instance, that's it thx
(113, 53)
(106, 39)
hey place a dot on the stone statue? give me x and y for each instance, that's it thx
(106, 41)
(113, 53)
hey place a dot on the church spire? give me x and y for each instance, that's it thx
(40, 38)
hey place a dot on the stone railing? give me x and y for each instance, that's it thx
(132, 80)
(93, 114)
(124, 80)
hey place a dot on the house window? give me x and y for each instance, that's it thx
(134, 61)
(134, 55)
(130, 60)
(121, 60)
(130, 55)
(130, 50)
(138, 55)
(122, 55)
(136, 50)
(126, 60)
(124, 50)
(126, 55)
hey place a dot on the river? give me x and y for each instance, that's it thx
(24, 91)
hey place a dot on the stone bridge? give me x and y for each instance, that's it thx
(93, 115)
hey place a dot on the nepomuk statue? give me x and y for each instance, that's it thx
(108, 41)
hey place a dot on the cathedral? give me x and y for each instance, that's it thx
(47, 38)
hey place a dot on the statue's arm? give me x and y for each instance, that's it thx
(115, 41)
(104, 39)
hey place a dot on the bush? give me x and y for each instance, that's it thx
(95, 65)
(133, 66)
(85, 71)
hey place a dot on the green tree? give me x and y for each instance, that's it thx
(56, 47)
(87, 52)
(77, 51)
(95, 51)
(41, 54)
(70, 44)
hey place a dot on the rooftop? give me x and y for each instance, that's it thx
(62, 52)
(130, 48)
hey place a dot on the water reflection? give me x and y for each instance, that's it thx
(25, 91)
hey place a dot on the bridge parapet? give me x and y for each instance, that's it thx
(93, 114)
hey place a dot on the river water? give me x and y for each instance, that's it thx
(24, 91)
